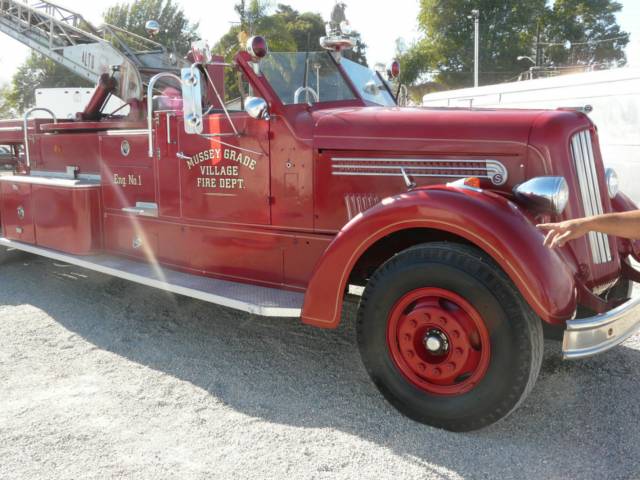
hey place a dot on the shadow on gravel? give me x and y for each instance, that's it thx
(581, 421)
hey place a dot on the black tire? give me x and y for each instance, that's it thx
(515, 332)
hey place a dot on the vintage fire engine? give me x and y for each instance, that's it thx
(314, 187)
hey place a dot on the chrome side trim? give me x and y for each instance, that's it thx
(89, 177)
(264, 301)
(585, 165)
(143, 209)
(492, 170)
(11, 129)
(51, 182)
(589, 336)
(128, 133)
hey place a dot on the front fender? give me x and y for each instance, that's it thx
(489, 221)
(622, 203)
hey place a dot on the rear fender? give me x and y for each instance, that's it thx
(489, 221)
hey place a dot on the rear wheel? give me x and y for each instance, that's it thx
(447, 338)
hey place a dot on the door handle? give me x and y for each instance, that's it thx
(143, 209)
(182, 156)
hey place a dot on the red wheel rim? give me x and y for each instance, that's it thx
(438, 341)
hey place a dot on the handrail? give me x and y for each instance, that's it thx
(152, 84)
(25, 127)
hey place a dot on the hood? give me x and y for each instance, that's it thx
(383, 128)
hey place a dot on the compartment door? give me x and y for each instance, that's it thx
(226, 178)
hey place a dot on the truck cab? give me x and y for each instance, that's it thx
(283, 184)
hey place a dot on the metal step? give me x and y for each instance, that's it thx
(267, 302)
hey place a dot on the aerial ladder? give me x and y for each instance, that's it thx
(91, 52)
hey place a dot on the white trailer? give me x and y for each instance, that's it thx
(613, 94)
(67, 102)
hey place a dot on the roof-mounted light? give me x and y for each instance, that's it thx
(257, 47)
(393, 69)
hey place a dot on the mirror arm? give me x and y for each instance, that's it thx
(152, 83)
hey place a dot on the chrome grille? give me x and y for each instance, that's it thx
(585, 164)
(492, 170)
(357, 204)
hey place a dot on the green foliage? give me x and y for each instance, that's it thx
(176, 29)
(509, 28)
(285, 29)
(584, 23)
(6, 110)
(39, 72)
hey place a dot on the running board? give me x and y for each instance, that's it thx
(267, 302)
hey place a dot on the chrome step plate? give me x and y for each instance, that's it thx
(267, 302)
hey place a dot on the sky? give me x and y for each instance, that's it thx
(379, 29)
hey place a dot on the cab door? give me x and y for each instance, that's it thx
(224, 176)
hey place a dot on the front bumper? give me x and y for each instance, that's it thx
(589, 336)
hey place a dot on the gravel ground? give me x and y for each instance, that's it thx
(102, 378)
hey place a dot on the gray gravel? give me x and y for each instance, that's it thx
(102, 378)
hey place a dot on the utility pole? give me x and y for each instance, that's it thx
(538, 49)
(475, 14)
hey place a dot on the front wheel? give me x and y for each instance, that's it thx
(446, 337)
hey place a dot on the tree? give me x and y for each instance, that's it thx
(176, 30)
(286, 30)
(447, 47)
(6, 111)
(40, 72)
(509, 29)
(587, 25)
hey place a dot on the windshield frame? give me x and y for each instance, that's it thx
(377, 74)
(358, 99)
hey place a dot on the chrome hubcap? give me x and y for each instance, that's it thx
(436, 342)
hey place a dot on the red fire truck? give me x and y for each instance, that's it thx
(314, 187)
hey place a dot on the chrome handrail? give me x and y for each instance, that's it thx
(152, 84)
(25, 127)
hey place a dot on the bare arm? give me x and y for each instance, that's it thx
(624, 225)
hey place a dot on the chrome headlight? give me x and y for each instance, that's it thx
(613, 183)
(544, 194)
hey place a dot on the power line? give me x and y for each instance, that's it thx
(590, 42)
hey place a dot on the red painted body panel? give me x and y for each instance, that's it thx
(68, 219)
(126, 179)
(267, 207)
(550, 136)
(231, 252)
(489, 221)
(57, 152)
(15, 225)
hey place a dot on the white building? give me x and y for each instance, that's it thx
(613, 94)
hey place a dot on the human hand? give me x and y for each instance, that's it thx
(561, 233)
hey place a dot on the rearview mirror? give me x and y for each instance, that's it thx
(257, 108)
(192, 100)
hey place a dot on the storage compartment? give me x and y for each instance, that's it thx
(67, 219)
(17, 218)
(57, 213)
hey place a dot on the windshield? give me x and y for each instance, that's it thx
(369, 84)
(287, 72)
